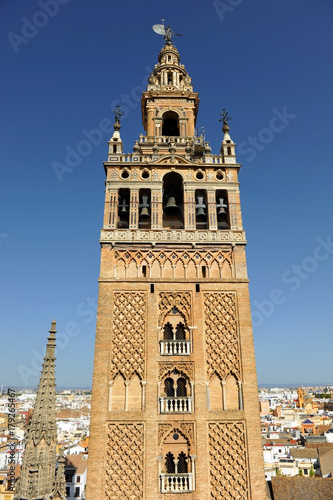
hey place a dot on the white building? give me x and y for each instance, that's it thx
(76, 476)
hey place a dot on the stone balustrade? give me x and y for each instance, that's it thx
(176, 483)
(176, 404)
(175, 347)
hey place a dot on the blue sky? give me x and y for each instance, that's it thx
(64, 70)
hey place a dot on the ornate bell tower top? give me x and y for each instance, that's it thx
(169, 99)
(171, 188)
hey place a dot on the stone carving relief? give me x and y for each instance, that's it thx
(178, 264)
(128, 342)
(222, 339)
(185, 368)
(186, 429)
(228, 461)
(178, 300)
(125, 450)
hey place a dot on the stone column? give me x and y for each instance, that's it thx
(212, 217)
(134, 209)
(110, 394)
(208, 396)
(189, 210)
(156, 209)
(126, 395)
(193, 457)
(111, 214)
(224, 395)
(240, 395)
(143, 395)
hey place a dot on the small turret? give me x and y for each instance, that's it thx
(228, 146)
(115, 143)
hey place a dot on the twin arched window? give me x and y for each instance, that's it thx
(175, 388)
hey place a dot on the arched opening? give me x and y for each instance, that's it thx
(170, 463)
(201, 209)
(180, 331)
(168, 333)
(173, 201)
(182, 463)
(175, 335)
(181, 388)
(177, 469)
(144, 208)
(170, 126)
(222, 210)
(123, 208)
(231, 389)
(169, 388)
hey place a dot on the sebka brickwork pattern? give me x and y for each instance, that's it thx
(228, 461)
(125, 461)
(128, 342)
(222, 338)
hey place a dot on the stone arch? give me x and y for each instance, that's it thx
(231, 392)
(215, 393)
(226, 269)
(118, 393)
(173, 201)
(134, 393)
(170, 123)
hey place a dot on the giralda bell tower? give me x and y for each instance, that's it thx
(175, 405)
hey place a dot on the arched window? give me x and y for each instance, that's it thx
(181, 388)
(182, 463)
(170, 126)
(168, 333)
(222, 209)
(169, 388)
(180, 332)
(173, 201)
(170, 463)
(123, 208)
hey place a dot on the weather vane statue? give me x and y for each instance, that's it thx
(225, 116)
(167, 32)
(118, 114)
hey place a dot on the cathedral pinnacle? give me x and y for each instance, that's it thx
(39, 459)
(59, 489)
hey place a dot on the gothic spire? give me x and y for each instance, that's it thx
(59, 489)
(39, 459)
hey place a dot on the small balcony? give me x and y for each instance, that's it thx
(176, 405)
(176, 483)
(175, 347)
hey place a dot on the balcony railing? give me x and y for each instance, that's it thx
(176, 405)
(175, 347)
(176, 483)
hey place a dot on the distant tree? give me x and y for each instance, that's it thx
(301, 473)
(312, 472)
(278, 471)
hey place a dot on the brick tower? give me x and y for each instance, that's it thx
(175, 411)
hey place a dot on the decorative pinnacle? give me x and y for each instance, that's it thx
(225, 118)
(117, 115)
(52, 338)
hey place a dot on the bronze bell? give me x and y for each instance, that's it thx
(201, 214)
(123, 207)
(144, 213)
(171, 205)
(221, 208)
(221, 211)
